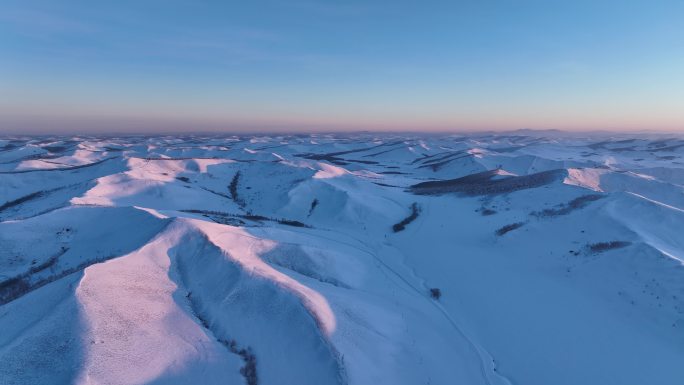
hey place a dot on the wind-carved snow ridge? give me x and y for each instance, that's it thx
(329, 171)
(244, 250)
(245, 302)
(529, 258)
(135, 331)
(138, 326)
(588, 178)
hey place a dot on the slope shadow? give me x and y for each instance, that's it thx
(41, 341)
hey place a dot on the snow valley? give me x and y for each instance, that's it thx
(530, 258)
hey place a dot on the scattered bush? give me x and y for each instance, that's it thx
(291, 223)
(415, 210)
(605, 246)
(233, 190)
(486, 212)
(248, 371)
(254, 217)
(566, 208)
(435, 293)
(314, 203)
(13, 288)
(232, 219)
(510, 227)
(21, 200)
(488, 183)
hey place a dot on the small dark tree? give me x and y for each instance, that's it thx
(314, 203)
(435, 293)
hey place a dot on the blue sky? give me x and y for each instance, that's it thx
(336, 65)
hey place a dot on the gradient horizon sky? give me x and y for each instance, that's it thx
(311, 65)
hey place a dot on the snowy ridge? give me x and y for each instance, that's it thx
(493, 259)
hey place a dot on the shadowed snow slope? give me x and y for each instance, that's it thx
(522, 258)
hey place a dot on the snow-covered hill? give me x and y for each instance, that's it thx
(496, 259)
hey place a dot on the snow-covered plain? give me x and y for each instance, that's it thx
(523, 258)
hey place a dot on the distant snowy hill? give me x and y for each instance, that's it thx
(531, 258)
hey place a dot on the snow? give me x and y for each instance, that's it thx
(587, 178)
(275, 260)
(136, 328)
(244, 250)
(329, 171)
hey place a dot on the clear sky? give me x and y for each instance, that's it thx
(168, 65)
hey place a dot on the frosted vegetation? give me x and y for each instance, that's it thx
(523, 258)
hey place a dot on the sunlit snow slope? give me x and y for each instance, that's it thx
(525, 258)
